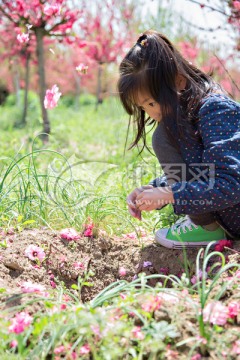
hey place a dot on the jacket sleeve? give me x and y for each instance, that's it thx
(219, 126)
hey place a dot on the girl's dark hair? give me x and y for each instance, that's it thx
(152, 66)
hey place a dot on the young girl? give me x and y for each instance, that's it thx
(196, 141)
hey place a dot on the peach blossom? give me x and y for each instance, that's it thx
(51, 98)
(69, 234)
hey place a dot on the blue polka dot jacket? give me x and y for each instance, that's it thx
(215, 183)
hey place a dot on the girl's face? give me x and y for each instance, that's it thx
(150, 106)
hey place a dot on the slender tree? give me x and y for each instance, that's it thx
(106, 31)
(16, 53)
(42, 19)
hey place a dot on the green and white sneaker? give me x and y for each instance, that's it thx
(184, 233)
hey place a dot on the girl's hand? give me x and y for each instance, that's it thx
(131, 201)
(154, 198)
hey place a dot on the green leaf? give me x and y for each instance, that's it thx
(74, 286)
(19, 218)
(3, 244)
(40, 325)
(218, 329)
(162, 330)
(27, 222)
(48, 304)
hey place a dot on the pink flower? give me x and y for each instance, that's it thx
(152, 304)
(66, 297)
(74, 355)
(171, 354)
(13, 344)
(237, 274)
(147, 263)
(194, 279)
(53, 284)
(20, 322)
(34, 252)
(96, 330)
(221, 245)
(236, 5)
(78, 265)
(51, 98)
(29, 287)
(82, 69)
(196, 357)
(233, 309)
(164, 271)
(23, 38)
(197, 277)
(35, 266)
(59, 350)
(131, 235)
(137, 333)
(51, 10)
(236, 347)
(123, 296)
(85, 349)
(132, 314)
(122, 271)
(215, 313)
(69, 234)
(189, 51)
(184, 293)
(201, 340)
(88, 232)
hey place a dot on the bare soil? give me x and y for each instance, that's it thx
(103, 255)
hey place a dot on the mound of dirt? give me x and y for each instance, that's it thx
(65, 261)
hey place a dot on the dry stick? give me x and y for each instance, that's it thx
(227, 71)
(200, 27)
(81, 288)
(233, 250)
(49, 253)
(209, 7)
(88, 264)
(48, 256)
(212, 30)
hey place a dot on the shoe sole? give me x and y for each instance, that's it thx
(171, 244)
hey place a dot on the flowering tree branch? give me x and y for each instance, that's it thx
(227, 72)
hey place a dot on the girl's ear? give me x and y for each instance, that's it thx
(181, 82)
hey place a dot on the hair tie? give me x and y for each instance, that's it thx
(142, 41)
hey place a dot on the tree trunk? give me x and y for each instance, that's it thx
(25, 105)
(42, 83)
(99, 85)
(77, 79)
(16, 81)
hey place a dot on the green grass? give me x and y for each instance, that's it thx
(123, 322)
(81, 172)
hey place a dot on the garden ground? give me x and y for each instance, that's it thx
(109, 258)
(89, 298)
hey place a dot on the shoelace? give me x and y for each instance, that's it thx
(182, 224)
